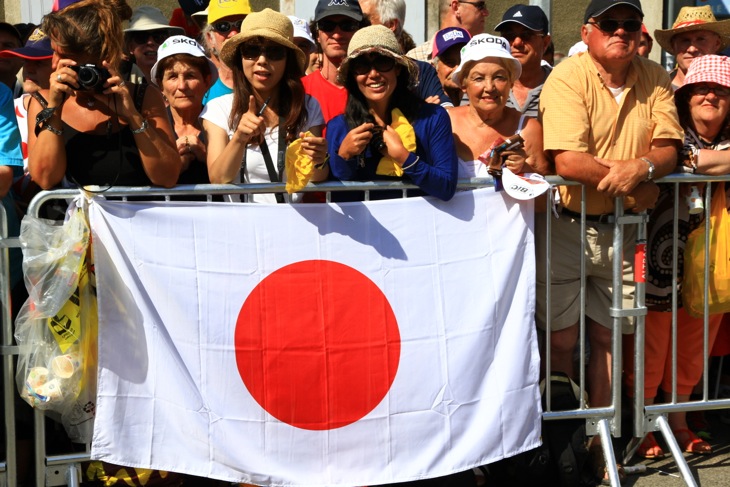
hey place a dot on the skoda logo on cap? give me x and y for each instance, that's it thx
(490, 40)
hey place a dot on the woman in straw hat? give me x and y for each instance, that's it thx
(387, 132)
(703, 105)
(695, 32)
(148, 29)
(96, 128)
(249, 129)
(486, 74)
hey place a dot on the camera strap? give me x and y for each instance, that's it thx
(274, 176)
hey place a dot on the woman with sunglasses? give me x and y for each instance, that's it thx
(703, 106)
(248, 131)
(93, 127)
(147, 30)
(387, 131)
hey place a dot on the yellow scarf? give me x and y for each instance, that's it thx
(387, 165)
(299, 166)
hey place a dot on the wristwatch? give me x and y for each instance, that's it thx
(650, 174)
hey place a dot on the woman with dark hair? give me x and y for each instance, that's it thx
(90, 125)
(703, 106)
(183, 73)
(387, 131)
(248, 131)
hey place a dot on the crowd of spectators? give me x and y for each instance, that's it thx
(212, 94)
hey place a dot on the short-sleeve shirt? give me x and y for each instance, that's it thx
(332, 98)
(579, 113)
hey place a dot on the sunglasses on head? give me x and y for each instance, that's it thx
(225, 26)
(365, 64)
(272, 52)
(611, 25)
(141, 37)
(703, 89)
(329, 26)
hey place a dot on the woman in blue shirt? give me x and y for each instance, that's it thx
(387, 132)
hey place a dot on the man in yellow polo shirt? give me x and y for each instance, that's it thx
(610, 123)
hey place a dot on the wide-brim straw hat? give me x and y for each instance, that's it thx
(691, 19)
(382, 40)
(710, 68)
(267, 24)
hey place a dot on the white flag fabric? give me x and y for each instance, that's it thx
(316, 344)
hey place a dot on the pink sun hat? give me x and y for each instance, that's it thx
(711, 68)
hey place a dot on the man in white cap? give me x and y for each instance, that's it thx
(470, 16)
(304, 41)
(695, 32)
(527, 30)
(224, 22)
(584, 100)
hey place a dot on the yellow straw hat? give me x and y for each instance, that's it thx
(692, 19)
(267, 24)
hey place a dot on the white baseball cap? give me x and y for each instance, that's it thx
(301, 29)
(482, 46)
(181, 45)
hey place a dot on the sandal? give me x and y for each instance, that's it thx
(649, 448)
(690, 443)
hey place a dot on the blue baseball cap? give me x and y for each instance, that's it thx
(450, 36)
(37, 47)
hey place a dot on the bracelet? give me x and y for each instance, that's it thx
(411, 165)
(141, 128)
(650, 174)
(324, 163)
(52, 129)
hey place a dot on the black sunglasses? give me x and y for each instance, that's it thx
(611, 25)
(225, 26)
(703, 89)
(525, 35)
(365, 64)
(272, 52)
(329, 26)
(158, 36)
(477, 5)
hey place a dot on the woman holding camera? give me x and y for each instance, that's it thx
(94, 128)
(486, 74)
(249, 130)
(387, 131)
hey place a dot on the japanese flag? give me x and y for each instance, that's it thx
(319, 344)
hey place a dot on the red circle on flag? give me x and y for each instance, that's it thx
(317, 344)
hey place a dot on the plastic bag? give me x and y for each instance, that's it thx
(693, 286)
(56, 328)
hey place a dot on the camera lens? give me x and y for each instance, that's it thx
(88, 77)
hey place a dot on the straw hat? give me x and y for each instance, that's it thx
(382, 40)
(691, 19)
(151, 18)
(710, 68)
(267, 24)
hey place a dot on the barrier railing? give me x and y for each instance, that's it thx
(603, 421)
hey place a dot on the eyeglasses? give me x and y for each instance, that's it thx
(703, 89)
(272, 52)
(158, 36)
(525, 35)
(611, 25)
(477, 5)
(329, 26)
(225, 26)
(364, 64)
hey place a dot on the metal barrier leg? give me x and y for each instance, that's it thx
(72, 475)
(604, 431)
(40, 448)
(677, 454)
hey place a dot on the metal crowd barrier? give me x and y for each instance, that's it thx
(65, 469)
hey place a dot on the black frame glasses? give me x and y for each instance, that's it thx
(525, 35)
(364, 64)
(142, 36)
(477, 5)
(225, 26)
(703, 89)
(612, 25)
(329, 26)
(272, 52)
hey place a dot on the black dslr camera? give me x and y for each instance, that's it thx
(91, 77)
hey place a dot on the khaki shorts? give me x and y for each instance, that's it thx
(565, 270)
